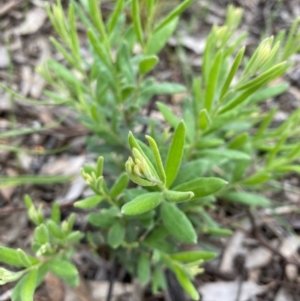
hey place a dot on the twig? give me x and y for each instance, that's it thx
(8, 6)
(260, 238)
(111, 280)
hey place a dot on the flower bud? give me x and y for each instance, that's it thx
(9, 276)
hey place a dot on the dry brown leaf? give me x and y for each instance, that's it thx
(5, 8)
(34, 20)
(4, 57)
(99, 289)
(27, 80)
(289, 246)
(228, 291)
(233, 248)
(282, 295)
(74, 191)
(65, 165)
(55, 288)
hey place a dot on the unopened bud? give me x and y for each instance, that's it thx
(9, 276)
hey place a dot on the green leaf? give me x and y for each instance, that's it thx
(55, 212)
(64, 270)
(202, 186)
(157, 158)
(119, 185)
(99, 49)
(264, 77)
(160, 38)
(191, 170)
(233, 70)
(96, 16)
(239, 141)
(224, 153)
(213, 81)
(157, 239)
(158, 280)
(246, 198)
(288, 168)
(204, 120)
(143, 269)
(116, 235)
(170, 117)
(250, 87)
(191, 256)
(29, 285)
(218, 231)
(175, 154)
(268, 92)
(89, 202)
(164, 88)
(137, 21)
(12, 257)
(257, 178)
(177, 223)
(99, 166)
(24, 258)
(66, 74)
(178, 196)
(142, 203)
(173, 14)
(148, 63)
(105, 218)
(115, 15)
(189, 119)
(55, 230)
(185, 282)
(41, 234)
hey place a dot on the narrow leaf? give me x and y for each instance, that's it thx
(176, 12)
(41, 234)
(64, 270)
(191, 256)
(116, 235)
(115, 15)
(232, 71)
(246, 198)
(175, 154)
(120, 184)
(159, 39)
(157, 158)
(11, 257)
(204, 120)
(148, 63)
(137, 21)
(178, 196)
(168, 114)
(89, 202)
(29, 285)
(212, 82)
(202, 187)
(177, 223)
(143, 269)
(186, 283)
(142, 203)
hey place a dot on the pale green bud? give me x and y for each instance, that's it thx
(9, 276)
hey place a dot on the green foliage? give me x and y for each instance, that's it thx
(223, 146)
(53, 245)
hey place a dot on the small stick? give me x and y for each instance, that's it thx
(260, 238)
